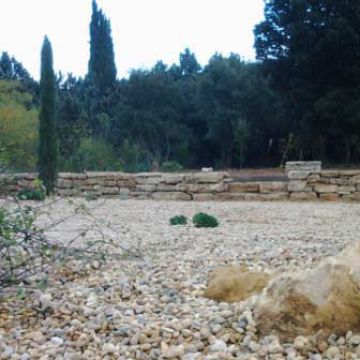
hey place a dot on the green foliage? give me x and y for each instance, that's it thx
(205, 220)
(171, 166)
(48, 140)
(31, 194)
(18, 127)
(309, 48)
(102, 69)
(94, 155)
(178, 220)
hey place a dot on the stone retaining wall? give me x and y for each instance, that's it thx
(201, 186)
(331, 185)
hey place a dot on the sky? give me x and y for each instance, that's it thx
(143, 31)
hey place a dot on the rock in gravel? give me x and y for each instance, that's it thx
(235, 283)
(329, 295)
(218, 346)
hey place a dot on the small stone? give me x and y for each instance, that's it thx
(355, 340)
(218, 346)
(332, 353)
(57, 340)
(108, 349)
(191, 356)
(7, 353)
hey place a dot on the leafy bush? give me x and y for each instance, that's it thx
(37, 192)
(178, 220)
(205, 220)
(171, 166)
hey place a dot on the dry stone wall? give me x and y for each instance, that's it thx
(331, 185)
(200, 186)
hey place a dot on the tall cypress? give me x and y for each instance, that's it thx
(48, 142)
(102, 68)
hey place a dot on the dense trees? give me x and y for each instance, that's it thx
(312, 51)
(300, 100)
(48, 141)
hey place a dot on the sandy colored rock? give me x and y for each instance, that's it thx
(297, 185)
(325, 188)
(243, 187)
(233, 283)
(303, 196)
(324, 298)
(329, 197)
(273, 187)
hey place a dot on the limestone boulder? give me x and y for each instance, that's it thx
(324, 298)
(235, 283)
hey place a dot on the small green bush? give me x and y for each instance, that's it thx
(178, 220)
(31, 194)
(205, 220)
(171, 166)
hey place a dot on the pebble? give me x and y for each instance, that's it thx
(218, 346)
(152, 307)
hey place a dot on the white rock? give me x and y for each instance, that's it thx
(218, 346)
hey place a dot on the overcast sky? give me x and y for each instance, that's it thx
(143, 31)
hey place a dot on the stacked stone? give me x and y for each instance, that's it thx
(331, 185)
(11, 184)
(186, 186)
(260, 190)
(95, 184)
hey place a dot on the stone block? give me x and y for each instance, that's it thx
(170, 196)
(146, 188)
(339, 181)
(166, 187)
(348, 173)
(313, 178)
(352, 197)
(229, 196)
(110, 190)
(244, 187)
(273, 187)
(326, 188)
(110, 183)
(346, 190)
(312, 166)
(297, 186)
(354, 180)
(329, 197)
(172, 179)
(208, 177)
(303, 196)
(298, 175)
(203, 197)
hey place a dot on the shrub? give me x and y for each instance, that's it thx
(171, 166)
(36, 192)
(178, 220)
(205, 220)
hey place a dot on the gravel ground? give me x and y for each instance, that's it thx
(151, 307)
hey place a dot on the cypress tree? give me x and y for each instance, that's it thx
(102, 68)
(47, 160)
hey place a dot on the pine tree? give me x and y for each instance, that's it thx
(47, 161)
(102, 68)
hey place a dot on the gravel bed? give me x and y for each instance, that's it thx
(152, 307)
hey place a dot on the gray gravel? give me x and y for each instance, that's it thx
(152, 308)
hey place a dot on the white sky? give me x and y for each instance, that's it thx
(143, 31)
